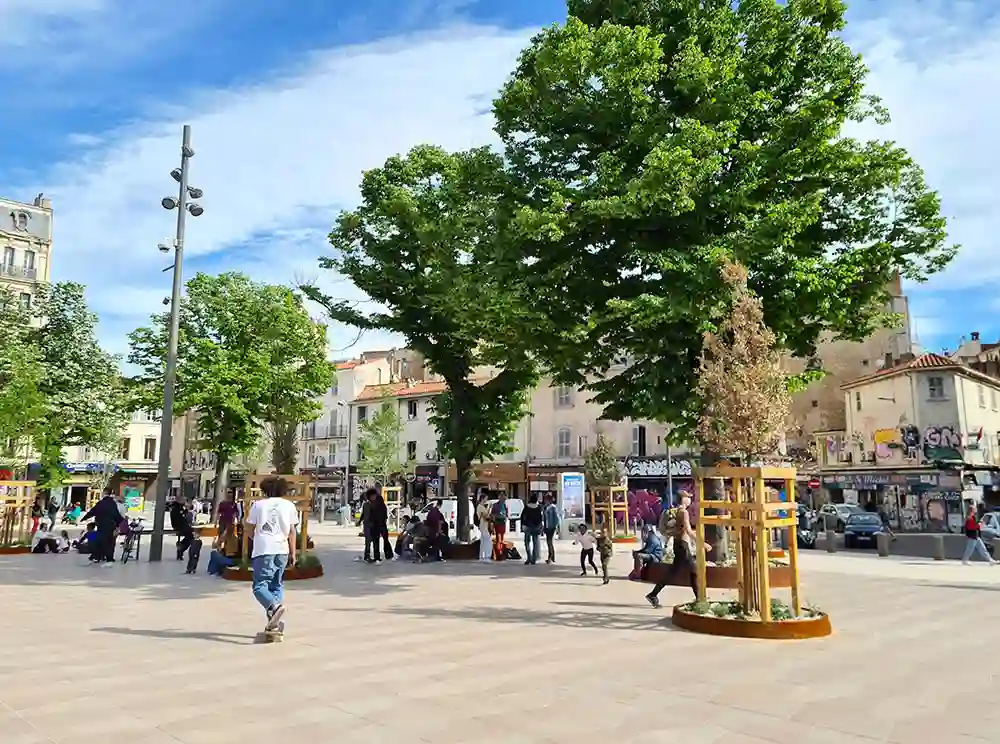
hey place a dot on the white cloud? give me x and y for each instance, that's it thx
(276, 162)
(938, 73)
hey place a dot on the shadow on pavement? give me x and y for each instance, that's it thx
(966, 587)
(238, 640)
(515, 616)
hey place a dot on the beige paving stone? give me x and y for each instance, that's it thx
(438, 654)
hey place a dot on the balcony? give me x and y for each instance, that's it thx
(321, 431)
(18, 272)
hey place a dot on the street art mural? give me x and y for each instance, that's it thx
(943, 443)
(885, 440)
(909, 437)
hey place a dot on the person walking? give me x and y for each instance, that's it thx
(683, 538)
(551, 517)
(366, 523)
(974, 538)
(273, 520)
(532, 519)
(53, 513)
(587, 543)
(483, 520)
(605, 548)
(180, 522)
(36, 515)
(106, 518)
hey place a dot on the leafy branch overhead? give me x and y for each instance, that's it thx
(650, 141)
(740, 380)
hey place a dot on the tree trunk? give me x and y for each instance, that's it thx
(284, 447)
(463, 467)
(715, 535)
(219, 490)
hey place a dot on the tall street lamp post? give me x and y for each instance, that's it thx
(183, 207)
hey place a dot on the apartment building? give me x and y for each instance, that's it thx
(25, 245)
(921, 436)
(131, 469)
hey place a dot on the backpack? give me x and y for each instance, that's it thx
(668, 520)
(499, 512)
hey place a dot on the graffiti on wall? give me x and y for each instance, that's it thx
(943, 443)
(910, 440)
(885, 441)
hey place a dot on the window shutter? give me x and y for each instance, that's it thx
(642, 441)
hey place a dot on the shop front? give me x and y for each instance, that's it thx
(510, 477)
(915, 501)
(425, 484)
(657, 475)
(543, 480)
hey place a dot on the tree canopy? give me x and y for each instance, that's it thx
(247, 353)
(651, 142)
(422, 245)
(22, 404)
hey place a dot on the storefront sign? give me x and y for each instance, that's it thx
(932, 480)
(91, 467)
(657, 467)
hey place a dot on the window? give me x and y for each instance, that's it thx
(411, 450)
(312, 430)
(411, 409)
(993, 399)
(149, 449)
(563, 438)
(311, 456)
(361, 451)
(331, 452)
(29, 260)
(362, 413)
(124, 447)
(25, 301)
(564, 396)
(981, 392)
(935, 388)
(8, 256)
(857, 401)
(581, 445)
(333, 422)
(638, 441)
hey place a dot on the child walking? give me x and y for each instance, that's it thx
(605, 548)
(587, 542)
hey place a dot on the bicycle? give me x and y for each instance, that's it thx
(133, 537)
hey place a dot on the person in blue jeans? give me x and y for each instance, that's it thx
(274, 520)
(532, 520)
(550, 515)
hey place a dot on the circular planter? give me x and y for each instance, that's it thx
(467, 551)
(238, 573)
(16, 550)
(717, 577)
(785, 630)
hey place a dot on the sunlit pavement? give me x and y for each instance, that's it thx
(497, 654)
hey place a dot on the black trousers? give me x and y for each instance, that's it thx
(184, 539)
(379, 537)
(683, 562)
(550, 544)
(587, 555)
(104, 544)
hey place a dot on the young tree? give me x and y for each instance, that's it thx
(378, 442)
(86, 398)
(424, 246)
(22, 404)
(650, 140)
(740, 380)
(283, 437)
(245, 351)
(601, 466)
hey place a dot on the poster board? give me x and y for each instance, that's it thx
(571, 495)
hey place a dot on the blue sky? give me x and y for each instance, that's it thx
(288, 108)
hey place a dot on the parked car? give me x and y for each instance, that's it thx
(862, 530)
(990, 526)
(834, 516)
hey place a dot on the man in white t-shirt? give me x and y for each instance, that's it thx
(274, 520)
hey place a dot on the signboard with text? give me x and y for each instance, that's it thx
(571, 494)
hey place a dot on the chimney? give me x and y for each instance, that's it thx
(975, 335)
(887, 363)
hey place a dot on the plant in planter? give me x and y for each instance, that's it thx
(746, 404)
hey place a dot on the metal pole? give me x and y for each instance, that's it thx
(322, 499)
(346, 497)
(670, 477)
(170, 373)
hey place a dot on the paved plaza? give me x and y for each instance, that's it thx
(498, 654)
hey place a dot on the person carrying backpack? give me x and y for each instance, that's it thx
(499, 515)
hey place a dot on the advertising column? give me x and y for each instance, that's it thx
(571, 502)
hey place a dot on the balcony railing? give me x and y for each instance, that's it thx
(320, 431)
(18, 272)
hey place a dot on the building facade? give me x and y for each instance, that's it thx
(921, 436)
(25, 246)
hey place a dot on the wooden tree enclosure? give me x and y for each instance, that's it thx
(299, 492)
(610, 502)
(749, 517)
(393, 498)
(16, 499)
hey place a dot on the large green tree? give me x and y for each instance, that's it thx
(247, 354)
(22, 404)
(86, 399)
(652, 141)
(423, 245)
